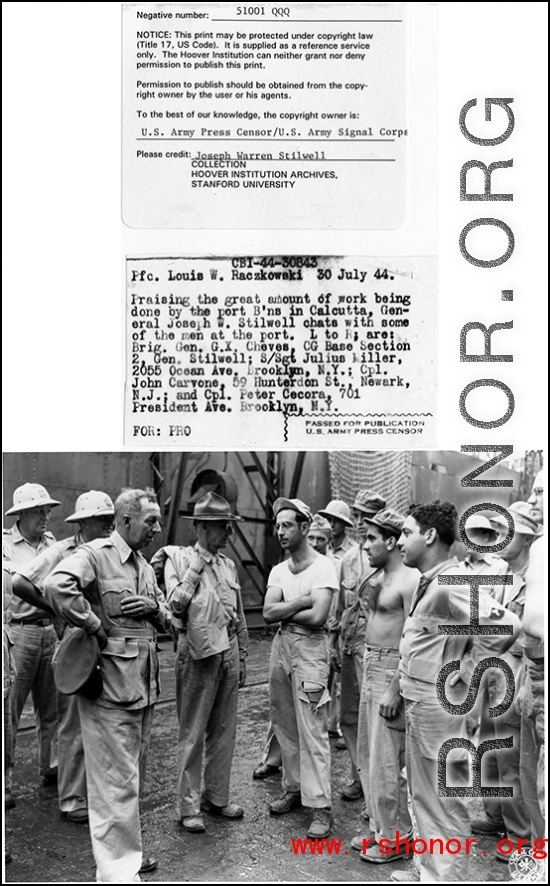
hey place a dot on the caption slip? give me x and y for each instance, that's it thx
(264, 116)
(281, 349)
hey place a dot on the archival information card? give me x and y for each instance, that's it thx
(264, 116)
(281, 350)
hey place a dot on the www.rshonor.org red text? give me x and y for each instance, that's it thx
(416, 846)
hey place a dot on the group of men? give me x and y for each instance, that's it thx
(379, 614)
(391, 616)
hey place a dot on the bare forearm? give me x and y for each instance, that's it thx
(311, 618)
(284, 611)
(25, 590)
(316, 616)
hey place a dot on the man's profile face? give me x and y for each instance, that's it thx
(35, 521)
(289, 532)
(98, 527)
(376, 547)
(514, 549)
(412, 543)
(141, 528)
(217, 534)
(318, 541)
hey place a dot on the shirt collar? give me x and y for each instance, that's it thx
(439, 568)
(205, 553)
(486, 558)
(343, 546)
(123, 549)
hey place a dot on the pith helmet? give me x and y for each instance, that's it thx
(338, 509)
(30, 495)
(91, 504)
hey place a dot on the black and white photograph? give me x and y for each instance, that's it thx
(231, 663)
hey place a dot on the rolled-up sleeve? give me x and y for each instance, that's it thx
(63, 590)
(181, 583)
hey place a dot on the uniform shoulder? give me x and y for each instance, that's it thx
(98, 544)
(65, 544)
(164, 552)
(351, 555)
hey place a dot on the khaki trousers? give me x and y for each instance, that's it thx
(428, 726)
(71, 779)
(298, 681)
(206, 701)
(116, 743)
(381, 750)
(532, 773)
(32, 652)
(351, 679)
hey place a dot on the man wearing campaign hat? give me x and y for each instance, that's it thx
(381, 729)
(348, 629)
(299, 594)
(95, 513)
(338, 514)
(204, 593)
(32, 632)
(508, 815)
(107, 588)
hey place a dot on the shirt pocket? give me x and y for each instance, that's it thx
(233, 597)
(113, 591)
(349, 585)
(120, 669)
